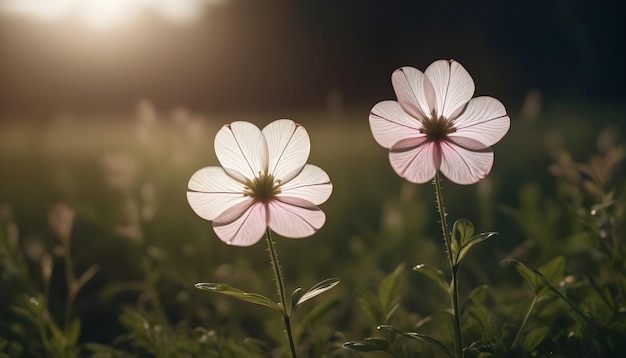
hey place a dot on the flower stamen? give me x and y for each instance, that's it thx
(262, 188)
(437, 127)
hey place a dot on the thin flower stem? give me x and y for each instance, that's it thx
(521, 328)
(454, 291)
(443, 218)
(278, 277)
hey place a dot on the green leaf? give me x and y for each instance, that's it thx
(535, 337)
(471, 242)
(390, 311)
(551, 273)
(295, 298)
(241, 295)
(529, 275)
(420, 337)
(423, 321)
(368, 345)
(317, 289)
(389, 290)
(462, 231)
(463, 239)
(538, 275)
(554, 271)
(433, 274)
(72, 332)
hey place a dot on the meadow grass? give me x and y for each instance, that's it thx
(151, 248)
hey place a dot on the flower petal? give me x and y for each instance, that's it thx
(214, 191)
(416, 163)
(465, 166)
(295, 218)
(214, 179)
(312, 184)
(241, 149)
(390, 123)
(243, 224)
(288, 147)
(468, 143)
(453, 86)
(484, 120)
(414, 91)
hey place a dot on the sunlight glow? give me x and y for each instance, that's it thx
(102, 14)
(106, 14)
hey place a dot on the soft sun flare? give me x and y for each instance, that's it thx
(105, 14)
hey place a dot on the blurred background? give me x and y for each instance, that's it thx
(209, 55)
(109, 106)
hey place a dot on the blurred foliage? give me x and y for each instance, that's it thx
(116, 278)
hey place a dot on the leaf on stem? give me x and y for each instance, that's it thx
(554, 269)
(371, 344)
(433, 274)
(241, 295)
(418, 336)
(463, 239)
(462, 231)
(473, 241)
(553, 272)
(317, 289)
(295, 298)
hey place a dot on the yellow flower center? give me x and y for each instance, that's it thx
(437, 128)
(262, 188)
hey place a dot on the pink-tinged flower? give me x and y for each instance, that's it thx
(264, 182)
(436, 125)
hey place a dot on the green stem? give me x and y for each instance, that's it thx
(278, 277)
(616, 255)
(457, 313)
(521, 328)
(70, 279)
(443, 218)
(454, 294)
(292, 346)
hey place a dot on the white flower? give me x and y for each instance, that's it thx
(264, 182)
(436, 125)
